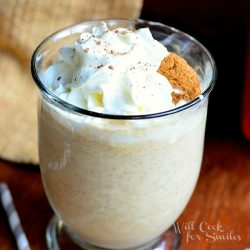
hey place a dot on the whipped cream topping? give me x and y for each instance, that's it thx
(112, 72)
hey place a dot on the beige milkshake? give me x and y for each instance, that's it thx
(120, 183)
(119, 186)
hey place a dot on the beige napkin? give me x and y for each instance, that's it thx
(23, 25)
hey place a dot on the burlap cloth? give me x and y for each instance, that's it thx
(23, 25)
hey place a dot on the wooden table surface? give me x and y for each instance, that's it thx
(216, 218)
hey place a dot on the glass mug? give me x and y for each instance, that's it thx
(115, 181)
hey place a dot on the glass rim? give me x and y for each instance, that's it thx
(72, 108)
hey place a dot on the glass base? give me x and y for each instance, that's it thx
(59, 237)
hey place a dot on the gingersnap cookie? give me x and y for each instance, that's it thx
(181, 76)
